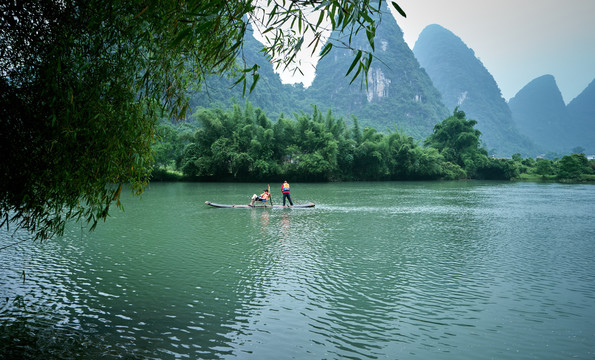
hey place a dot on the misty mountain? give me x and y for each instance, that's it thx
(400, 93)
(270, 94)
(464, 81)
(539, 111)
(582, 114)
(404, 95)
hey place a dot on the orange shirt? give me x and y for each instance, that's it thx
(285, 188)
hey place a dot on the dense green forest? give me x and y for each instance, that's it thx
(243, 144)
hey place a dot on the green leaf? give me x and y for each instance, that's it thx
(332, 17)
(359, 69)
(254, 81)
(240, 79)
(370, 33)
(355, 61)
(320, 18)
(183, 34)
(317, 41)
(298, 46)
(339, 20)
(326, 49)
(346, 20)
(272, 14)
(366, 17)
(398, 8)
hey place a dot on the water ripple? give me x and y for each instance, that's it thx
(426, 270)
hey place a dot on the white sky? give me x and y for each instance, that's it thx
(516, 40)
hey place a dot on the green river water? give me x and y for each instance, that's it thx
(387, 270)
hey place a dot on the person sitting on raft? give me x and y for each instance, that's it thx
(262, 197)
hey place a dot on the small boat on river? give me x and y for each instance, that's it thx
(307, 205)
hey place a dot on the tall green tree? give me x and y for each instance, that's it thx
(370, 156)
(573, 166)
(458, 141)
(544, 167)
(170, 143)
(409, 161)
(83, 83)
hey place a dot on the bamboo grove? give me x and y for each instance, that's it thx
(243, 144)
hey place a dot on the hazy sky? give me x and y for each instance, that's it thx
(517, 40)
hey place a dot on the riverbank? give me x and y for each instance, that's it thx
(584, 178)
(162, 175)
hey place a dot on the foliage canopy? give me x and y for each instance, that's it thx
(244, 145)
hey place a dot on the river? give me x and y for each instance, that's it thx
(377, 270)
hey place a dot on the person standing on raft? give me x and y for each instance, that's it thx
(285, 190)
(262, 197)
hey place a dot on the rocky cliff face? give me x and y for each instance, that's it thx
(400, 94)
(378, 84)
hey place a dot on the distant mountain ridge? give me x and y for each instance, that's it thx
(539, 111)
(465, 82)
(582, 116)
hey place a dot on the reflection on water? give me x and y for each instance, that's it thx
(377, 270)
